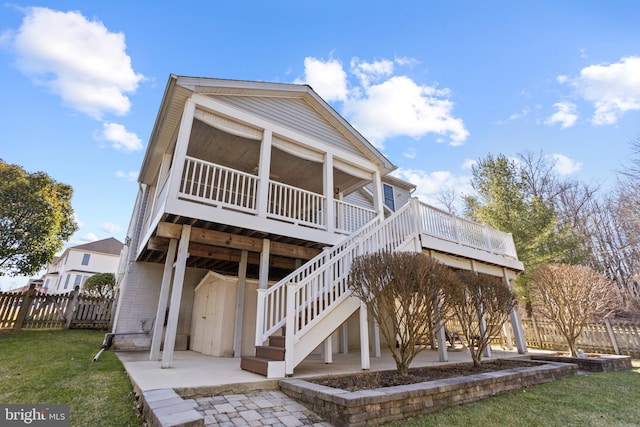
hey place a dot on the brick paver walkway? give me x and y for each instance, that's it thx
(262, 408)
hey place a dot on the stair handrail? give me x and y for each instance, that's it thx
(328, 291)
(375, 235)
(272, 320)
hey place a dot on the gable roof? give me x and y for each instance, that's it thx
(299, 105)
(109, 246)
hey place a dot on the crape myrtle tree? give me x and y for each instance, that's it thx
(478, 299)
(100, 285)
(570, 296)
(36, 218)
(404, 293)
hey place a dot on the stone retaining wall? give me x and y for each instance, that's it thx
(382, 405)
(600, 363)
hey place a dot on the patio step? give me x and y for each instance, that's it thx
(265, 354)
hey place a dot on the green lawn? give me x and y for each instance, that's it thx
(56, 367)
(591, 400)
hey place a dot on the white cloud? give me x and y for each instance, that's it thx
(78, 59)
(111, 228)
(468, 164)
(367, 72)
(410, 153)
(327, 78)
(89, 237)
(613, 89)
(565, 115)
(119, 137)
(515, 116)
(382, 105)
(129, 176)
(564, 165)
(399, 106)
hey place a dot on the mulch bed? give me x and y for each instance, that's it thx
(371, 380)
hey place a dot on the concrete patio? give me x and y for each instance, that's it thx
(195, 375)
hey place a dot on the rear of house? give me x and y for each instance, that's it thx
(253, 199)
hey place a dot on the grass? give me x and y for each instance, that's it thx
(596, 399)
(56, 367)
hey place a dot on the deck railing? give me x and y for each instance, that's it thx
(302, 207)
(350, 217)
(446, 226)
(218, 185)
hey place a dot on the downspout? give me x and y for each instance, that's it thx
(107, 342)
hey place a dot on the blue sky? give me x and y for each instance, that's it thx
(435, 85)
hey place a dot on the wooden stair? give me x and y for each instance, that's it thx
(265, 354)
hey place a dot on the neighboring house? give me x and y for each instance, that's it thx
(254, 198)
(78, 263)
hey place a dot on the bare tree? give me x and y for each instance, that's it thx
(403, 293)
(481, 304)
(570, 296)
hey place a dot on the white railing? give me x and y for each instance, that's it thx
(217, 185)
(293, 204)
(322, 282)
(350, 217)
(446, 226)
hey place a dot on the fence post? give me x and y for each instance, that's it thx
(536, 331)
(612, 335)
(25, 305)
(68, 314)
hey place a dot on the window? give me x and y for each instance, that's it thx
(388, 197)
(66, 282)
(85, 259)
(78, 280)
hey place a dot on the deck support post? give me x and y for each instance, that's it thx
(327, 173)
(176, 297)
(161, 311)
(516, 323)
(264, 264)
(242, 282)
(364, 337)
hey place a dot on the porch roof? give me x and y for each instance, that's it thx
(180, 88)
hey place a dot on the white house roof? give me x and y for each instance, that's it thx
(293, 105)
(111, 246)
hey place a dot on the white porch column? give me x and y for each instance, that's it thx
(443, 354)
(327, 350)
(327, 172)
(264, 264)
(176, 297)
(516, 324)
(180, 151)
(161, 311)
(264, 168)
(376, 338)
(364, 337)
(378, 198)
(344, 338)
(242, 281)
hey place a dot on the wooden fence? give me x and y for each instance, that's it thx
(35, 310)
(605, 337)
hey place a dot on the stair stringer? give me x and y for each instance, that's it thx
(322, 329)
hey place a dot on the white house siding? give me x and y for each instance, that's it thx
(292, 113)
(139, 300)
